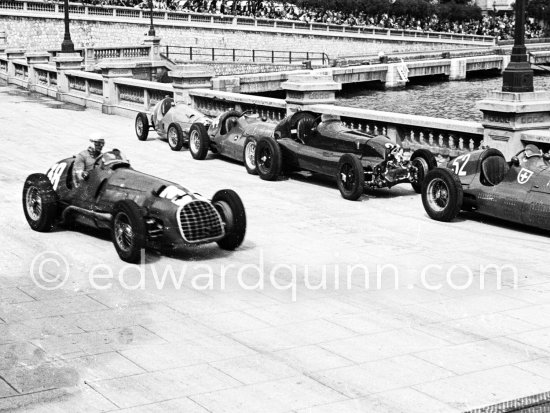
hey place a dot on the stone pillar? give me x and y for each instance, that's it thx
(190, 77)
(393, 78)
(64, 62)
(458, 69)
(110, 91)
(34, 58)
(154, 43)
(309, 89)
(13, 54)
(509, 115)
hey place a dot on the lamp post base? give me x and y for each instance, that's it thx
(517, 77)
(67, 46)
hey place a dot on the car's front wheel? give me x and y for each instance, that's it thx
(175, 137)
(424, 161)
(231, 209)
(442, 194)
(40, 202)
(351, 177)
(249, 156)
(142, 126)
(199, 141)
(128, 230)
(268, 158)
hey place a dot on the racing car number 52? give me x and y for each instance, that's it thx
(460, 163)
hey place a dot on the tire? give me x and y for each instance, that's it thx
(142, 126)
(351, 177)
(442, 194)
(199, 142)
(40, 203)
(175, 137)
(249, 156)
(231, 208)
(425, 161)
(268, 159)
(128, 230)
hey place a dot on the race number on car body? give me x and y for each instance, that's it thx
(55, 172)
(460, 163)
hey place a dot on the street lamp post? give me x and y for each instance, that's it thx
(151, 27)
(67, 46)
(518, 75)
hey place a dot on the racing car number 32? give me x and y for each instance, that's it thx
(55, 172)
(460, 163)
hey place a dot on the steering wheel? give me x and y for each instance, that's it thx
(246, 111)
(97, 161)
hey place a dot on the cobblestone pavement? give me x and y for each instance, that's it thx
(424, 346)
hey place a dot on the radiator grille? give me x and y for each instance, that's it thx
(199, 221)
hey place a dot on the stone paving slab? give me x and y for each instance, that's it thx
(380, 343)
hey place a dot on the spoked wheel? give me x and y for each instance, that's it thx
(424, 161)
(351, 177)
(268, 159)
(231, 209)
(128, 230)
(442, 195)
(142, 126)
(199, 141)
(249, 156)
(40, 202)
(175, 137)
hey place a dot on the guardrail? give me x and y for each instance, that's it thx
(41, 8)
(211, 54)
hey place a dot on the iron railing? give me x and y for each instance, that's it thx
(218, 54)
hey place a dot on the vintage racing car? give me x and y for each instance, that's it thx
(171, 121)
(141, 211)
(232, 134)
(482, 181)
(322, 144)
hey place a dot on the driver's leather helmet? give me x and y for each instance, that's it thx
(532, 150)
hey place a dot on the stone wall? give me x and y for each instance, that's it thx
(47, 33)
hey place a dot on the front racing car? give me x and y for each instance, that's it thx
(141, 211)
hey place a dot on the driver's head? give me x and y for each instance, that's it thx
(327, 117)
(532, 150)
(98, 142)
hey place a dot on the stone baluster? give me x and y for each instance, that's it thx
(34, 58)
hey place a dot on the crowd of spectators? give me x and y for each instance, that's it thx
(499, 26)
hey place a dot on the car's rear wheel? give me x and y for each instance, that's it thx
(424, 161)
(175, 137)
(128, 230)
(442, 194)
(199, 142)
(231, 209)
(142, 126)
(249, 156)
(268, 159)
(40, 202)
(351, 177)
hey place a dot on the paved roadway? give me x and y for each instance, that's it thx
(194, 348)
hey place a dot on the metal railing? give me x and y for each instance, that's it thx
(217, 54)
(33, 7)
